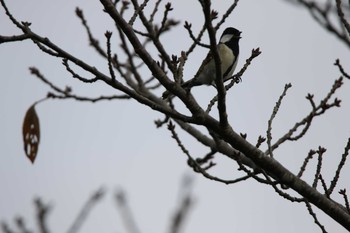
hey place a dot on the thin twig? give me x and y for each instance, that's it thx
(153, 37)
(313, 215)
(88, 99)
(324, 185)
(273, 115)
(14, 38)
(179, 74)
(75, 75)
(260, 141)
(13, 19)
(320, 153)
(109, 55)
(42, 211)
(183, 207)
(226, 15)
(337, 63)
(126, 212)
(36, 72)
(306, 161)
(93, 41)
(320, 109)
(137, 11)
(339, 168)
(155, 9)
(131, 65)
(323, 16)
(195, 40)
(21, 225)
(310, 98)
(168, 8)
(280, 192)
(193, 163)
(346, 200)
(66, 93)
(342, 16)
(124, 7)
(85, 211)
(6, 228)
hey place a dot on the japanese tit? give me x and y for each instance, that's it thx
(228, 50)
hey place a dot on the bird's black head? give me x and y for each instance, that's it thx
(230, 34)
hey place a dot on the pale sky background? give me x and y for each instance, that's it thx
(116, 144)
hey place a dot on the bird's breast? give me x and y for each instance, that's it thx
(227, 59)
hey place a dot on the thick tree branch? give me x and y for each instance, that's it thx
(214, 51)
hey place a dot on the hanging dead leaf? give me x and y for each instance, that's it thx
(31, 133)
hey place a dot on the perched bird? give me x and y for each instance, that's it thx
(228, 50)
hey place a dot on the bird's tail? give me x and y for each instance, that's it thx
(186, 85)
(166, 94)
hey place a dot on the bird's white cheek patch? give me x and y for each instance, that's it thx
(226, 38)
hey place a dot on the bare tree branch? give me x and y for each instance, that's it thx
(339, 168)
(127, 76)
(15, 38)
(337, 63)
(85, 211)
(306, 161)
(273, 115)
(126, 212)
(318, 110)
(42, 212)
(312, 213)
(342, 16)
(346, 200)
(322, 14)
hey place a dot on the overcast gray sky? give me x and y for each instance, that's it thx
(116, 144)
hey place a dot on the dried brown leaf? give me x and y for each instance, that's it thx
(31, 133)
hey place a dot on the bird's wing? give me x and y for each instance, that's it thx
(205, 62)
